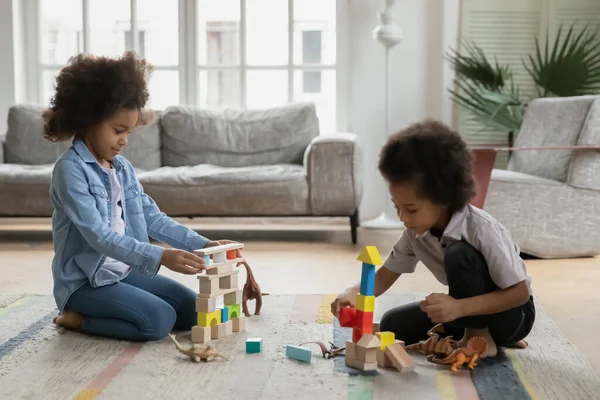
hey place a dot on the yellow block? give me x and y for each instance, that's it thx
(370, 255)
(365, 303)
(386, 338)
(208, 319)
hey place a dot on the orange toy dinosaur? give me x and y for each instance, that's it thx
(434, 345)
(475, 347)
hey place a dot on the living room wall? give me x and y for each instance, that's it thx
(418, 81)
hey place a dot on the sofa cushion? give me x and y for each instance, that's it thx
(25, 143)
(550, 122)
(237, 138)
(24, 190)
(502, 175)
(209, 190)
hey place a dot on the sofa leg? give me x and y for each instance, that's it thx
(354, 226)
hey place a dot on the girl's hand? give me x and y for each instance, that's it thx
(345, 299)
(182, 261)
(441, 308)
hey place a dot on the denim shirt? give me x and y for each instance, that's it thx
(81, 228)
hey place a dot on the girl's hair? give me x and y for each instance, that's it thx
(91, 89)
(435, 158)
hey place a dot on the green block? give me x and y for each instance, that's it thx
(234, 311)
(253, 345)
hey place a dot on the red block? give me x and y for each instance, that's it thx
(347, 317)
(364, 321)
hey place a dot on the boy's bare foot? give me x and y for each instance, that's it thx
(70, 320)
(491, 351)
(521, 344)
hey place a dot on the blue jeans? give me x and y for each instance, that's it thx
(138, 308)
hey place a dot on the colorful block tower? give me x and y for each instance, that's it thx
(219, 279)
(365, 299)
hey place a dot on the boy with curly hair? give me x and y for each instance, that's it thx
(105, 269)
(428, 168)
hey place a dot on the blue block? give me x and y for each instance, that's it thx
(207, 259)
(253, 345)
(298, 353)
(224, 314)
(367, 280)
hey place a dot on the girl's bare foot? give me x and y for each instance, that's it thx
(491, 351)
(70, 320)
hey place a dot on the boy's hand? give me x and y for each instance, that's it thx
(441, 308)
(182, 261)
(345, 299)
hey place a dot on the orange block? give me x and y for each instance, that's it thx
(231, 254)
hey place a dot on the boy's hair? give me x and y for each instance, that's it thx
(435, 158)
(91, 89)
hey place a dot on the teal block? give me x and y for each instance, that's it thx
(207, 259)
(224, 314)
(298, 353)
(367, 280)
(253, 345)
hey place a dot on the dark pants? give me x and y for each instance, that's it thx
(468, 276)
(138, 308)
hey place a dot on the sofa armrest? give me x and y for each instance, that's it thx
(2, 140)
(333, 168)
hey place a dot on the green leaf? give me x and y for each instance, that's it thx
(476, 67)
(571, 67)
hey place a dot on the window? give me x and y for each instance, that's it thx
(213, 54)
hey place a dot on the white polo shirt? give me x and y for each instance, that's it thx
(474, 226)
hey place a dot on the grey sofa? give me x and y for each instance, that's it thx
(550, 199)
(196, 163)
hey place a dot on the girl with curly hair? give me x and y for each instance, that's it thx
(105, 269)
(428, 168)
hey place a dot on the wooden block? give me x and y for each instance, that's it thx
(352, 362)
(365, 303)
(400, 358)
(221, 292)
(233, 298)
(235, 310)
(224, 314)
(201, 334)
(210, 277)
(367, 280)
(369, 341)
(230, 263)
(386, 338)
(220, 269)
(383, 360)
(208, 319)
(366, 355)
(347, 317)
(298, 353)
(209, 286)
(219, 257)
(253, 345)
(217, 249)
(221, 330)
(206, 305)
(363, 366)
(357, 333)
(228, 282)
(364, 320)
(239, 324)
(370, 255)
(207, 260)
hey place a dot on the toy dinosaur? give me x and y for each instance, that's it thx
(470, 353)
(434, 345)
(251, 291)
(328, 353)
(197, 353)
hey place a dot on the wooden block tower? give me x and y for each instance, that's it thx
(219, 279)
(367, 351)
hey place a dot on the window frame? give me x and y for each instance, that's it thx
(188, 68)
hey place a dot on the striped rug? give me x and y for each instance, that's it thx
(38, 360)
